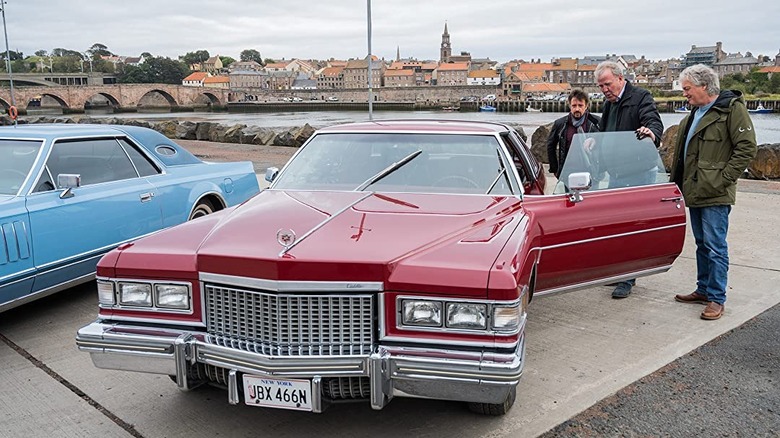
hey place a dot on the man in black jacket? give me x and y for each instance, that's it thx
(627, 108)
(579, 119)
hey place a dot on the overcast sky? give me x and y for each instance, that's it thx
(501, 30)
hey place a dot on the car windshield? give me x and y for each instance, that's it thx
(399, 162)
(16, 160)
(613, 160)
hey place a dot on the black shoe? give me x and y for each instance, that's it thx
(622, 290)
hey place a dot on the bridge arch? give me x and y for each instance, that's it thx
(158, 92)
(61, 101)
(212, 98)
(113, 102)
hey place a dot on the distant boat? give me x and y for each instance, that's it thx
(682, 109)
(450, 108)
(530, 109)
(760, 110)
(487, 108)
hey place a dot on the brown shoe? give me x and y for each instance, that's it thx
(713, 311)
(694, 297)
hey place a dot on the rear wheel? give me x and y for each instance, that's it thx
(495, 408)
(203, 208)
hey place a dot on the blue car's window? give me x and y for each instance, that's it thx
(141, 162)
(16, 160)
(96, 160)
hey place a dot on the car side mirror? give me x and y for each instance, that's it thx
(68, 180)
(270, 173)
(578, 182)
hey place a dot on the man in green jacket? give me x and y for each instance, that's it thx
(715, 143)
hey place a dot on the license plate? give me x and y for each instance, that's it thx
(277, 393)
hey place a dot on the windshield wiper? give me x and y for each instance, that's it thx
(501, 171)
(388, 170)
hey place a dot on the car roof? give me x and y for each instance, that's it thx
(420, 125)
(147, 138)
(57, 130)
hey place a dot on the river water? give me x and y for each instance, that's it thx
(767, 125)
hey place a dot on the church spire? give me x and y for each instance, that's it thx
(397, 53)
(446, 49)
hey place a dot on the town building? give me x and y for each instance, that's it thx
(455, 73)
(331, 78)
(708, 55)
(735, 63)
(195, 79)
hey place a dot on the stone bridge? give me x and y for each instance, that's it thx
(119, 96)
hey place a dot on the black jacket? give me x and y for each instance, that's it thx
(557, 146)
(636, 108)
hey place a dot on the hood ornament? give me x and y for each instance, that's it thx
(285, 237)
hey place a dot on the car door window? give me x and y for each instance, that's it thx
(142, 163)
(96, 160)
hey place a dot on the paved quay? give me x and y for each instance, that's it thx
(642, 366)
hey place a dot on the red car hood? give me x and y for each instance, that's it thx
(416, 242)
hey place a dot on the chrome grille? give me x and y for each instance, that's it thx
(290, 324)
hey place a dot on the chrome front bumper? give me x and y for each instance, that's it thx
(443, 374)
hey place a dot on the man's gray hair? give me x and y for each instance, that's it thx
(699, 75)
(614, 67)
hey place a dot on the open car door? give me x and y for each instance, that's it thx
(616, 217)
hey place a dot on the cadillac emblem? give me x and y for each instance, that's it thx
(285, 237)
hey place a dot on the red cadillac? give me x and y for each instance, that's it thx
(387, 259)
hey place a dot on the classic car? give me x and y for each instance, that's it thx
(70, 193)
(387, 259)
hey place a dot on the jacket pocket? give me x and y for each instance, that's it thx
(711, 182)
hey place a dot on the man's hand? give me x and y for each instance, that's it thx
(643, 132)
(589, 144)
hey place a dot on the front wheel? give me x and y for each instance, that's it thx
(203, 208)
(495, 408)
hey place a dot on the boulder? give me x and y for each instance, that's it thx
(766, 165)
(284, 138)
(666, 150)
(234, 134)
(217, 133)
(264, 137)
(302, 134)
(186, 130)
(539, 142)
(167, 128)
(202, 130)
(519, 129)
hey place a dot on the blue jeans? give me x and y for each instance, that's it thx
(710, 226)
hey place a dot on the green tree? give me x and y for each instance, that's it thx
(251, 55)
(196, 57)
(268, 61)
(157, 70)
(97, 50)
(12, 55)
(226, 61)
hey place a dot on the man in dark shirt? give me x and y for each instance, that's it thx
(579, 119)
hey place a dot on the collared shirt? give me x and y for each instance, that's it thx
(697, 115)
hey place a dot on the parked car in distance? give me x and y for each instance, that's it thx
(489, 97)
(296, 99)
(596, 96)
(70, 193)
(387, 259)
(332, 99)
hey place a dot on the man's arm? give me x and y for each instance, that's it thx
(650, 118)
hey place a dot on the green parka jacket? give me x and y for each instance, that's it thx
(721, 148)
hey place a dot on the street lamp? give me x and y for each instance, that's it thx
(8, 56)
(370, 91)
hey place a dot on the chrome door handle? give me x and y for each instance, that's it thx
(676, 199)
(146, 197)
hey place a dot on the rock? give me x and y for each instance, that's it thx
(167, 128)
(284, 138)
(766, 165)
(217, 133)
(202, 130)
(302, 134)
(133, 122)
(539, 142)
(234, 134)
(264, 137)
(666, 150)
(186, 130)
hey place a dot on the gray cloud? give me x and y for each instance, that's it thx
(498, 29)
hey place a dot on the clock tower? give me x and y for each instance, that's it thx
(446, 48)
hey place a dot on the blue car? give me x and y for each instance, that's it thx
(70, 193)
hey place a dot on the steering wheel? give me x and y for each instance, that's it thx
(455, 181)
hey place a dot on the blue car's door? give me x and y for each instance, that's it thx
(72, 229)
(16, 263)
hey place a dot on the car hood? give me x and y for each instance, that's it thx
(441, 243)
